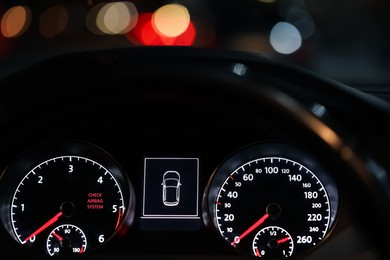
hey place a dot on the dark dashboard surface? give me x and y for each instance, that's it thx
(208, 116)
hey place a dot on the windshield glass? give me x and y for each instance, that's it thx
(343, 40)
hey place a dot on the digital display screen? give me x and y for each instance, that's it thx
(170, 192)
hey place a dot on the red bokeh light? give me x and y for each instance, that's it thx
(145, 34)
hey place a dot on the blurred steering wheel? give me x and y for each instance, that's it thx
(268, 94)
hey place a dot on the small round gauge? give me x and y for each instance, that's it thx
(70, 183)
(273, 241)
(269, 185)
(66, 239)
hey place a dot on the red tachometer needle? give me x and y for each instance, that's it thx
(44, 226)
(120, 215)
(283, 240)
(251, 228)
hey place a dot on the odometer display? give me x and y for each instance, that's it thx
(262, 187)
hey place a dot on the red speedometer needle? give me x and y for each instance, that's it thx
(251, 228)
(58, 236)
(283, 240)
(44, 226)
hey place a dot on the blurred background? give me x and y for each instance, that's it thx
(346, 40)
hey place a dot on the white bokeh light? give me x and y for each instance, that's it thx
(112, 18)
(285, 38)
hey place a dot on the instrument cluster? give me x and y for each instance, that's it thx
(69, 197)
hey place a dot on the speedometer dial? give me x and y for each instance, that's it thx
(272, 185)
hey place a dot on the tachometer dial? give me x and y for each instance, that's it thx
(272, 185)
(69, 183)
(273, 241)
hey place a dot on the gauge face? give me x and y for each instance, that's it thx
(66, 239)
(272, 185)
(69, 199)
(273, 241)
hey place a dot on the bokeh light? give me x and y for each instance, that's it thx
(53, 21)
(171, 20)
(117, 17)
(15, 21)
(91, 18)
(112, 18)
(145, 33)
(285, 38)
(302, 20)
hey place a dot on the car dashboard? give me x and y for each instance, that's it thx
(181, 153)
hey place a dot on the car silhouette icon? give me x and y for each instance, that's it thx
(171, 188)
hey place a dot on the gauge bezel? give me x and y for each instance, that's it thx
(76, 228)
(47, 150)
(262, 231)
(255, 151)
